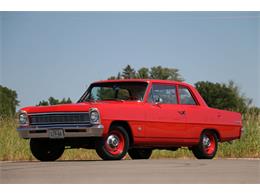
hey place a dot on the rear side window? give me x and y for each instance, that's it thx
(165, 94)
(185, 96)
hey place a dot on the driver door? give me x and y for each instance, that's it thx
(165, 117)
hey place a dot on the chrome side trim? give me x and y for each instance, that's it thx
(42, 132)
(49, 113)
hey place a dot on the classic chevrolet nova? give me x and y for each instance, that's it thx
(116, 117)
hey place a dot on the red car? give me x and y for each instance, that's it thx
(135, 116)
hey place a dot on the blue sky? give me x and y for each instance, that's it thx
(58, 54)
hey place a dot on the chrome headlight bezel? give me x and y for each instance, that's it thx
(23, 118)
(94, 116)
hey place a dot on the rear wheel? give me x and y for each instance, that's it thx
(138, 153)
(46, 149)
(115, 145)
(207, 147)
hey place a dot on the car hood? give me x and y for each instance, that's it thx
(80, 107)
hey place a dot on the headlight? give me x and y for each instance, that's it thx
(94, 116)
(23, 118)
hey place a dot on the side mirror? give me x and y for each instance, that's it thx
(158, 100)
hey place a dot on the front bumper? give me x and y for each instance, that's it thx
(68, 131)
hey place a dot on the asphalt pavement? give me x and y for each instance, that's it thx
(132, 171)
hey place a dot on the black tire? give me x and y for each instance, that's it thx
(47, 149)
(140, 153)
(115, 145)
(206, 149)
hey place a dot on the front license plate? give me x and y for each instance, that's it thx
(56, 133)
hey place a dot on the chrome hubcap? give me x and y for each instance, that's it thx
(113, 141)
(206, 141)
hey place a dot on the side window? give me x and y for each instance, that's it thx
(185, 96)
(165, 94)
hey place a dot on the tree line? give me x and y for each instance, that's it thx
(8, 102)
(156, 72)
(217, 95)
(54, 101)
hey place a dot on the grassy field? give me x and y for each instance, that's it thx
(14, 148)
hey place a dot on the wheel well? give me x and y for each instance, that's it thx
(214, 131)
(126, 127)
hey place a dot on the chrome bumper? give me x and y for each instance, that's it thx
(76, 131)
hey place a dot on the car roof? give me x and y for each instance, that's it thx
(144, 80)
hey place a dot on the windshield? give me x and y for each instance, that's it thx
(123, 91)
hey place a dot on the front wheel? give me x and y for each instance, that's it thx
(46, 149)
(115, 145)
(140, 153)
(207, 147)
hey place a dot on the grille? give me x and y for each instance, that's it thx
(59, 118)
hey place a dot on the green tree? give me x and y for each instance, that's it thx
(8, 102)
(143, 73)
(65, 101)
(159, 72)
(223, 96)
(43, 103)
(54, 101)
(115, 77)
(156, 72)
(128, 72)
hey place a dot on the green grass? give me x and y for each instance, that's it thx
(249, 144)
(14, 148)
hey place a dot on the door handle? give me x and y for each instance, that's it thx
(181, 112)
